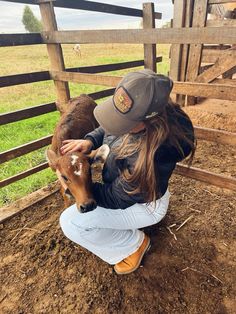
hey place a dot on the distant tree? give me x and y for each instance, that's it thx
(30, 21)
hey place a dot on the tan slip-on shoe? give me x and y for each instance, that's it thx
(133, 261)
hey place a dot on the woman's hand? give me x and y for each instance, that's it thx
(83, 146)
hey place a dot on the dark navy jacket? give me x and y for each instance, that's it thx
(112, 193)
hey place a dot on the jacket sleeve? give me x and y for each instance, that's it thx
(114, 195)
(96, 137)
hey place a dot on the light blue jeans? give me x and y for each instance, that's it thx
(110, 234)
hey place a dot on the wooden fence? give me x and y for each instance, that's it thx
(186, 45)
(203, 62)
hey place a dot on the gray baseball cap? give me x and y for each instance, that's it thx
(139, 96)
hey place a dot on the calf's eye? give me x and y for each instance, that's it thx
(64, 177)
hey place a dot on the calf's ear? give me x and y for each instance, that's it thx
(100, 154)
(52, 159)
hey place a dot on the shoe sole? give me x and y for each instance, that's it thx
(147, 248)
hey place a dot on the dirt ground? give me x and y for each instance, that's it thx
(43, 272)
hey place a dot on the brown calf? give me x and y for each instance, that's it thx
(74, 168)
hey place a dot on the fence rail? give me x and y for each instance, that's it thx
(7, 40)
(194, 35)
(197, 35)
(206, 176)
(91, 6)
(25, 149)
(220, 1)
(216, 91)
(23, 174)
(24, 78)
(26, 113)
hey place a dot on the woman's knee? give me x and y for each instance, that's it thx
(71, 218)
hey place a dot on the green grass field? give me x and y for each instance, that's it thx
(16, 60)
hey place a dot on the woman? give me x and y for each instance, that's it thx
(147, 135)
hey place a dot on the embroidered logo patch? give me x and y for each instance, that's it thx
(122, 101)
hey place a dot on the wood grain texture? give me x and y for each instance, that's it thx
(92, 6)
(215, 91)
(23, 175)
(55, 54)
(195, 51)
(25, 149)
(217, 136)
(20, 205)
(20, 39)
(176, 49)
(221, 23)
(221, 1)
(26, 113)
(211, 55)
(193, 35)
(206, 176)
(221, 65)
(149, 49)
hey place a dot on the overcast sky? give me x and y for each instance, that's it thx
(11, 16)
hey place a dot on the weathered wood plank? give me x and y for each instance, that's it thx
(187, 88)
(217, 136)
(221, 23)
(25, 78)
(195, 51)
(26, 113)
(193, 35)
(104, 80)
(222, 65)
(149, 49)
(102, 94)
(220, 1)
(25, 149)
(55, 54)
(176, 50)
(215, 91)
(31, 112)
(20, 39)
(20, 205)
(93, 6)
(206, 176)
(177, 56)
(211, 55)
(225, 81)
(23, 175)
(185, 49)
(111, 66)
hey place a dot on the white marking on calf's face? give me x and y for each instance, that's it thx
(74, 158)
(78, 173)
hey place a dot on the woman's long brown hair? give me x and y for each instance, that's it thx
(157, 130)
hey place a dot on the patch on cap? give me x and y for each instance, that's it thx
(122, 101)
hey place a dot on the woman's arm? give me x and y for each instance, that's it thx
(96, 137)
(92, 141)
(114, 195)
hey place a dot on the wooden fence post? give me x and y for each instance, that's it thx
(185, 50)
(149, 49)
(54, 52)
(176, 49)
(195, 51)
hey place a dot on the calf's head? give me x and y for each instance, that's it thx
(74, 170)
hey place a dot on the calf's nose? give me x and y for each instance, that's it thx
(87, 207)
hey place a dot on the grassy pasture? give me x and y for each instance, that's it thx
(16, 60)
